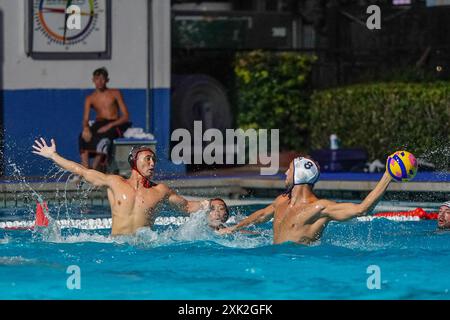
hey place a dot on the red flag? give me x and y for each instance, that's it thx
(41, 219)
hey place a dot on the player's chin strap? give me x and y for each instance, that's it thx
(146, 183)
(288, 191)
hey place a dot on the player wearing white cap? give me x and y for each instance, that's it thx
(298, 215)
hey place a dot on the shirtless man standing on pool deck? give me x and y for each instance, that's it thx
(299, 216)
(132, 200)
(110, 123)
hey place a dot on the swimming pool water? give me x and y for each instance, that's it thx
(191, 262)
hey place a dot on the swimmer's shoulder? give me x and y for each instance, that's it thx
(280, 199)
(89, 97)
(114, 179)
(115, 93)
(162, 188)
(324, 203)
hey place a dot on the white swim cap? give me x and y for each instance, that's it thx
(305, 171)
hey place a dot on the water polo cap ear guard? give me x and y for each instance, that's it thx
(134, 152)
(132, 158)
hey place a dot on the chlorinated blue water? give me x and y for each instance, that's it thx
(191, 262)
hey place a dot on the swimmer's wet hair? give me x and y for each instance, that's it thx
(101, 72)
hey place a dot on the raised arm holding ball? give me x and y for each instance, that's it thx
(300, 216)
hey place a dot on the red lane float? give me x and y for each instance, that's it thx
(419, 212)
(40, 221)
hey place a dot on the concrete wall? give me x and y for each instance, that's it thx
(45, 97)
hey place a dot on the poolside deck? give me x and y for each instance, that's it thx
(233, 184)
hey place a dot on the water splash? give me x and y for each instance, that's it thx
(194, 230)
(438, 155)
(5, 240)
(26, 190)
(28, 194)
(86, 237)
(15, 261)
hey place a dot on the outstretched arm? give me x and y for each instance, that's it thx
(92, 176)
(260, 216)
(346, 211)
(184, 205)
